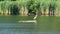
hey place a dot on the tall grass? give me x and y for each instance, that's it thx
(37, 4)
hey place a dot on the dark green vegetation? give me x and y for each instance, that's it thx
(44, 23)
(14, 10)
(31, 6)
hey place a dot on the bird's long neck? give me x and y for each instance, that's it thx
(35, 16)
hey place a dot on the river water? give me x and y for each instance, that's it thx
(10, 25)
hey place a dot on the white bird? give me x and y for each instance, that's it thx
(35, 17)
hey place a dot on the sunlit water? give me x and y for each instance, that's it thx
(10, 25)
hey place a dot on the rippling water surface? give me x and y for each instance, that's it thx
(10, 25)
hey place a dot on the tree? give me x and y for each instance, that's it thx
(52, 7)
(33, 6)
(30, 6)
(14, 10)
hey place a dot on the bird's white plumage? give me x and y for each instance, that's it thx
(35, 17)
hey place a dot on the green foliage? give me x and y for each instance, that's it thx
(1, 0)
(31, 4)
